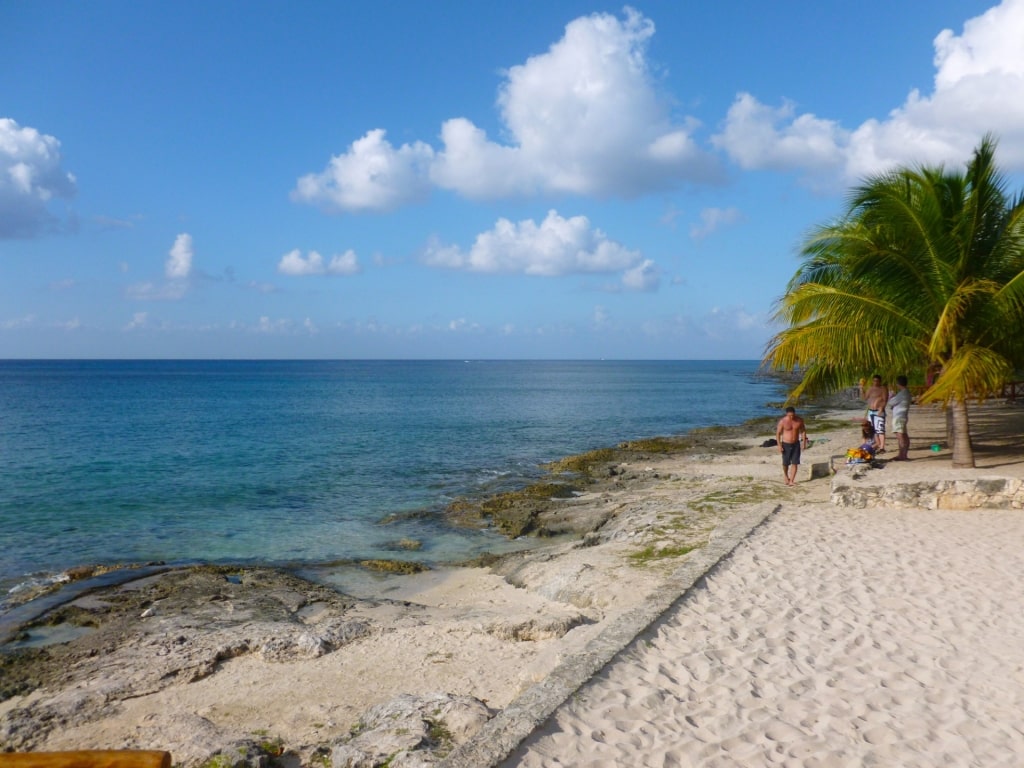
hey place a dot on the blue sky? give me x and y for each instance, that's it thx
(458, 180)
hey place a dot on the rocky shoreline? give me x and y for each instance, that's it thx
(253, 666)
(609, 535)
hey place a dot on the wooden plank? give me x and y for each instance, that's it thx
(120, 758)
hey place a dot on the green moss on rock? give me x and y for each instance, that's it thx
(513, 513)
(651, 553)
(583, 463)
(394, 566)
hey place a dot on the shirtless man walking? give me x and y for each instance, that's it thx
(876, 396)
(791, 435)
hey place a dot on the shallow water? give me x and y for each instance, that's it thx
(297, 462)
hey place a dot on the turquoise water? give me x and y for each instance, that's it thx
(297, 462)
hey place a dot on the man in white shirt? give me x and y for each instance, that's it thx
(900, 404)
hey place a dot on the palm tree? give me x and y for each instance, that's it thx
(925, 268)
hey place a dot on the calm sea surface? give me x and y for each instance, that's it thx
(296, 463)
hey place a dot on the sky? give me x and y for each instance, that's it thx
(540, 179)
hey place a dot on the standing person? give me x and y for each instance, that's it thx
(876, 396)
(791, 434)
(900, 403)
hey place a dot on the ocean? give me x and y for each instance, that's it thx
(296, 463)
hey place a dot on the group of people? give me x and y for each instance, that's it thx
(877, 397)
(791, 431)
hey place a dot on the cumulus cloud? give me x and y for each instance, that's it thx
(31, 177)
(295, 264)
(179, 258)
(556, 246)
(582, 118)
(757, 136)
(177, 270)
(977, 89)
(372, 175)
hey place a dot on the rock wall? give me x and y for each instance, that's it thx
(856, 488)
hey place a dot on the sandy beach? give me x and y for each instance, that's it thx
(831, 637)
(884, 633)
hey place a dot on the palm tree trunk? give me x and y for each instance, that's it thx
(963, 451)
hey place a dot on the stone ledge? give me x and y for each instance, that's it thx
(857, 489)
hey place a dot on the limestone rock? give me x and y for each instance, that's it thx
(536, 628)
(411, 731)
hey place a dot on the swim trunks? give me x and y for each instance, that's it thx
(790, 453)
(877, 419)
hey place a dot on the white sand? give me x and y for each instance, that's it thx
(831, 637)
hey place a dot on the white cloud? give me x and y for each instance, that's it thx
(977, 89)
(759, 137)
(344, 263)
(177, 270)
(582, 118)
(713, 219)
(179, 258)
(643, 277)
(557, 246)
(30, 178)
(371, 176)
(295, 264)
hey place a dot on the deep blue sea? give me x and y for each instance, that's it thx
(297, 462)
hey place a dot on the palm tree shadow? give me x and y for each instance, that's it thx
(997, 428)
